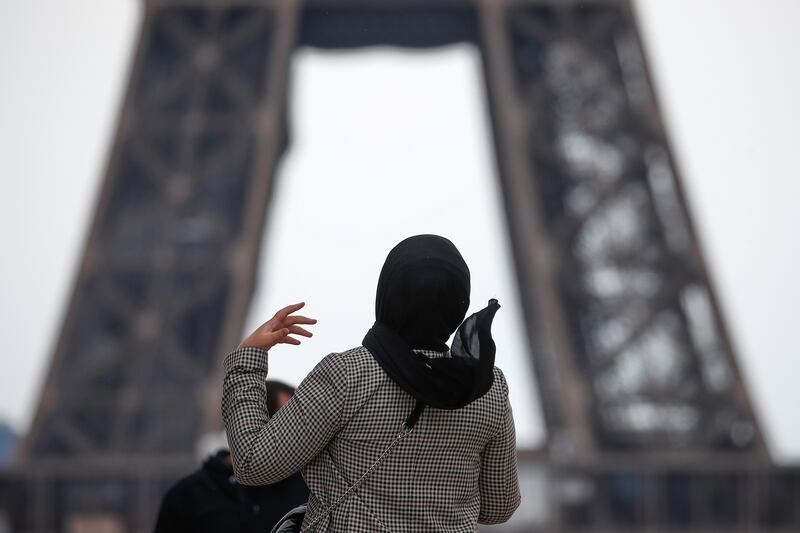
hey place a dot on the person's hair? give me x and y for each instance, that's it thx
(273, 388)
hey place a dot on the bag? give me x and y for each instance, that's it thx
(292, 521)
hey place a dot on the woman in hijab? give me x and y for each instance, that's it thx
(402, 433)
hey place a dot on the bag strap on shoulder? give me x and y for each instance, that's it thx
(406, 428)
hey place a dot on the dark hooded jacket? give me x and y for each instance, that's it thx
(210, 500)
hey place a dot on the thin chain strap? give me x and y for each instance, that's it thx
(403, 432)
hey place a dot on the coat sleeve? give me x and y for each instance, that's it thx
(266, 450)
(498, 484)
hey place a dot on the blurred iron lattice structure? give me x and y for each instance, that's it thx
(633, 321)
(649, 423)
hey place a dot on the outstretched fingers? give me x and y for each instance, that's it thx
(299, 319)
(288, 310)
(297, 330)
(290, 323)
(289, 340)
(280, 328)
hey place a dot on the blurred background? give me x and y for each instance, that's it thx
(618, 174)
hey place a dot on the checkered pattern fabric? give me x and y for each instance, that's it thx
(454, 470)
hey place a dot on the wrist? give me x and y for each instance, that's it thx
(248, 358)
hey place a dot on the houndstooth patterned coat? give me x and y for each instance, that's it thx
(454, 470)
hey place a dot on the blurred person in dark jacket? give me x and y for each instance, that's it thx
(211, 499)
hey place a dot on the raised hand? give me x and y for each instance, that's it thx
(277, 330)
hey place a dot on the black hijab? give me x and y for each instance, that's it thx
(422, 297)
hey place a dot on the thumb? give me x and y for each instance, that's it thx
(265, 340)
(274, 337)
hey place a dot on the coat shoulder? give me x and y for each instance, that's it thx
(500, 382)
(355, 362)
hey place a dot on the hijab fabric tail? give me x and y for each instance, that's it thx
(446, 382)
(473, 341)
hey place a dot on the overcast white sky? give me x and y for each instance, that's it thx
(727, 73)
(355, 184)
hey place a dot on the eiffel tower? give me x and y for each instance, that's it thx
(648, 420)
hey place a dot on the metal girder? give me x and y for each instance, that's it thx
(629, 344)
(170, 263)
